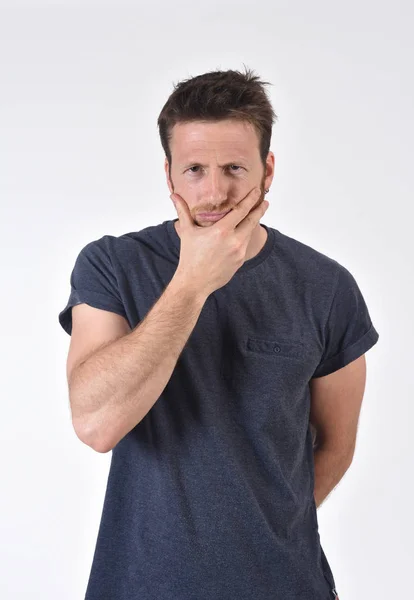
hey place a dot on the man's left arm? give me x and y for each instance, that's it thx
(334, 413)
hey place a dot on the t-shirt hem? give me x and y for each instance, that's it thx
(95, 299)
(349, 354)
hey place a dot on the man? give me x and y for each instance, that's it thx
(207, 352)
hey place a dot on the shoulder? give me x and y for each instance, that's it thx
(120, 246)
(309, 264)
(151, 238)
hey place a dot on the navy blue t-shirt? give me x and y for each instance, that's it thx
(211, 495)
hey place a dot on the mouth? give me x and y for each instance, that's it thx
(213, 216)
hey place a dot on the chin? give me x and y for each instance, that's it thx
(202, 223)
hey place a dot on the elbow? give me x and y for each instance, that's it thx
(343, 456)
(91, 437)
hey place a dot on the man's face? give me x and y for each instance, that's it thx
(215, 165)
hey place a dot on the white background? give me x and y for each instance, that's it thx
(82, 85)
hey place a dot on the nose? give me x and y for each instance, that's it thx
(215, 191)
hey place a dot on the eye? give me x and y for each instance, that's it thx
(198, 166)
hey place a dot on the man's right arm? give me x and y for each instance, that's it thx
(114, 388)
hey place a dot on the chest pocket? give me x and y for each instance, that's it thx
(276, 347)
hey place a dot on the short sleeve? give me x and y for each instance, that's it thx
(92, 281)
(349, 331)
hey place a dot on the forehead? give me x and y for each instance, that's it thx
(206, 136)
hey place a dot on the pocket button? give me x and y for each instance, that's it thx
(289, 349)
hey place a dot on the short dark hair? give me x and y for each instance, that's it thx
(215, 96)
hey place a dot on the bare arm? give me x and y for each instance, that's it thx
(112, 390)
(335, 408)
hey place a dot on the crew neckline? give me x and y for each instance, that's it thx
(247, 265)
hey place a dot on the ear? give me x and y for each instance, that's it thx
(270, 170)
(166, 167)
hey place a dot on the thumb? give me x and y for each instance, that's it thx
(182, 209)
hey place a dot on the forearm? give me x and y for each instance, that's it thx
(330, 466)
(116, 387)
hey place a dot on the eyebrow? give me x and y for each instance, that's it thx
(195, 162)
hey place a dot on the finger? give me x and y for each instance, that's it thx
(233, 218)
(245, 228)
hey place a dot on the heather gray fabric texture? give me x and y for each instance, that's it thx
(210, 496)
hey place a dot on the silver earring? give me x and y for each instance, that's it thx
(266, 190)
